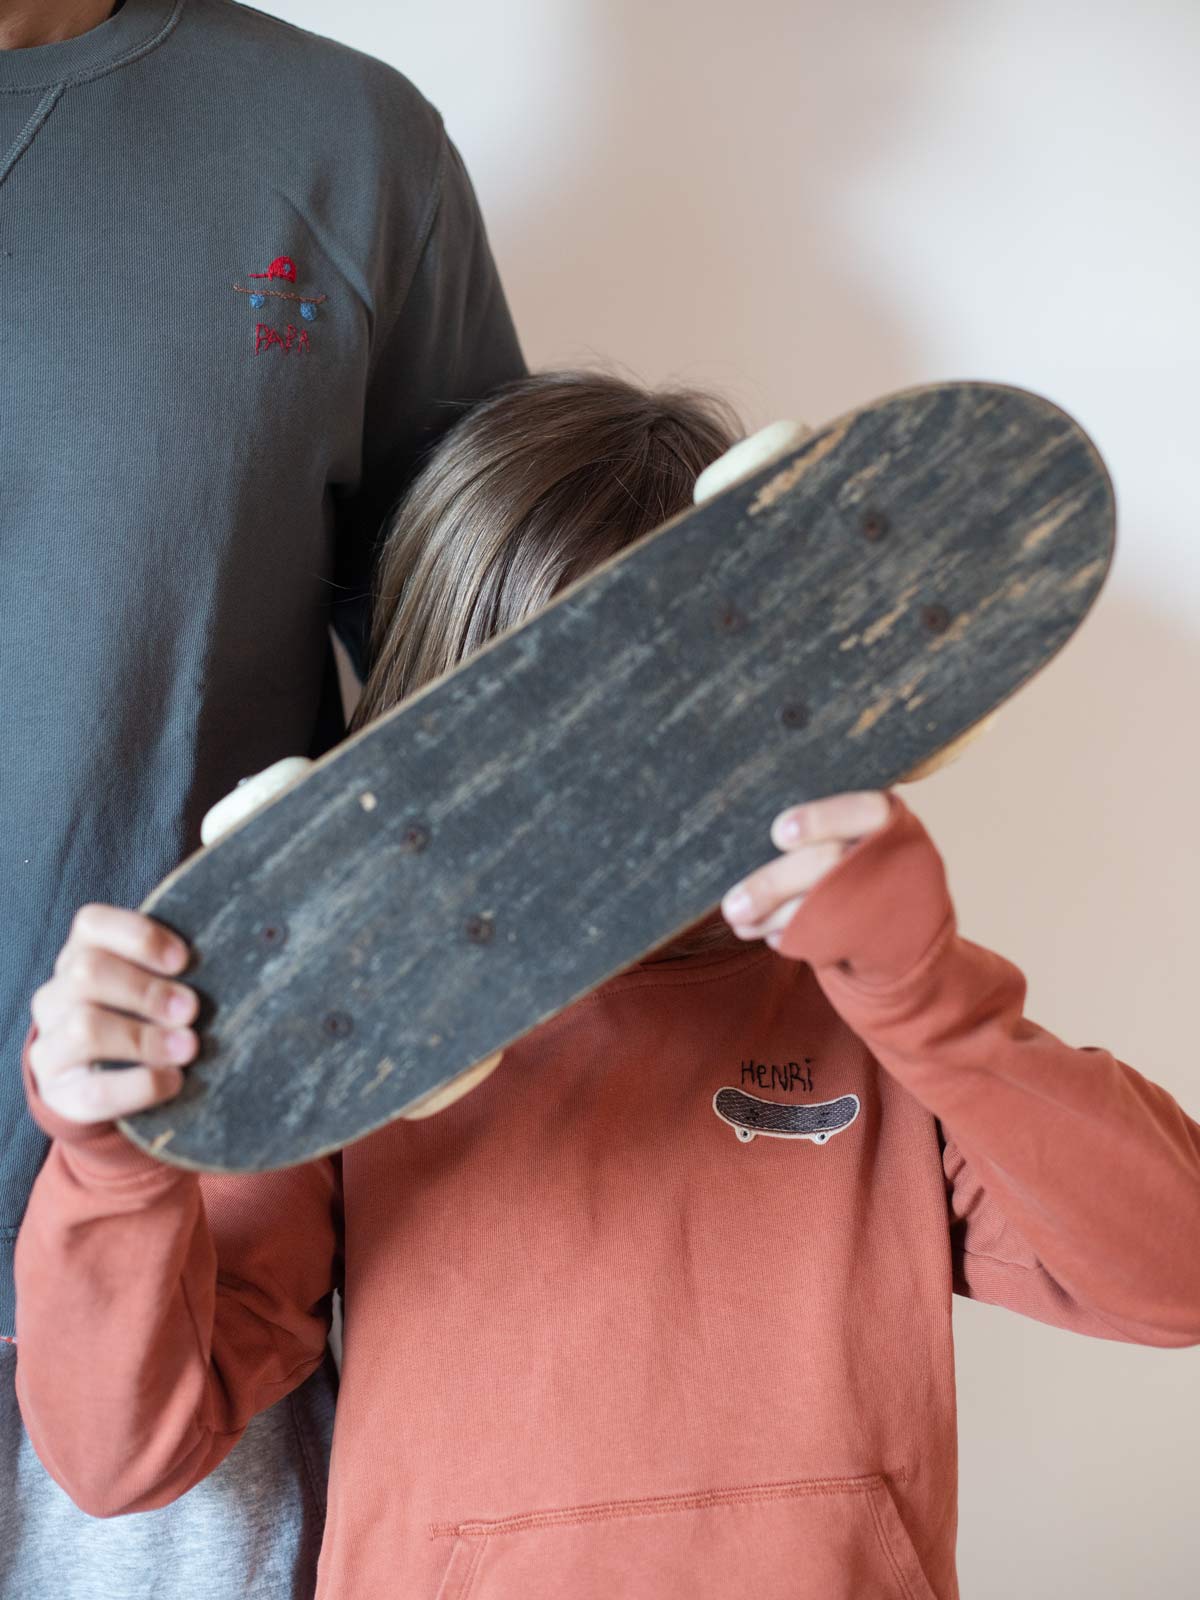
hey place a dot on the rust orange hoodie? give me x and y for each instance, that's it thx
(663, 1308)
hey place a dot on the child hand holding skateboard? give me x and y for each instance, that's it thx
(112, 996)
(812, 840)
(594, 1344)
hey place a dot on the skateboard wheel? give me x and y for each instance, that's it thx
(744, 1134)
(748, 457)
(948, 753)
(250, 796)
(440, 1099)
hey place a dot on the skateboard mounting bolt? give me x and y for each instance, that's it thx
(794, 714)
(415, 838)
(874, 526)
(273, 934)
(935, 618)
(480, 930)
(337, 1025)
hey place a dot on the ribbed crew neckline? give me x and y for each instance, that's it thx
(136, 28)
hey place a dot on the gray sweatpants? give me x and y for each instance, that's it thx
(251, 1529)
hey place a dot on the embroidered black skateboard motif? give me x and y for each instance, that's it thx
(747, 1115)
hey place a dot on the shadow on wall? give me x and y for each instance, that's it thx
(725, 142)
(1070, 833)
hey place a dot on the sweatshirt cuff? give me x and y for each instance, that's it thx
(98, 1148)
(882, 913)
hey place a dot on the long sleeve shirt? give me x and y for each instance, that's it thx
(244, 284)
(664, 1306)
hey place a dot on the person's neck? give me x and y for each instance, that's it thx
(26, 23)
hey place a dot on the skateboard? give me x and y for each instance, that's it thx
(749, 1116)
(588, 785)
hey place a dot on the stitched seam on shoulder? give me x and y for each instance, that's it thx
(41, 115)
(423, 235)
(90, 74)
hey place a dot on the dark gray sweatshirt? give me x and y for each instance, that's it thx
(243, 283)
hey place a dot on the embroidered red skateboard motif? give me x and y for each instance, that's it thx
(283, 269)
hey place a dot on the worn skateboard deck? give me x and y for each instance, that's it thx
(593, 782)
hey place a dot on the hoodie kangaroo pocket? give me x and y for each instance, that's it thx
(814, 1539)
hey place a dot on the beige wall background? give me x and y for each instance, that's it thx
(805, 205)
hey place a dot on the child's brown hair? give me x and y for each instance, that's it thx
(534, 488)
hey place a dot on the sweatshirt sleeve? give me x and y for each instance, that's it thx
(1074, 1182)
(159, 1311)
(445, 340)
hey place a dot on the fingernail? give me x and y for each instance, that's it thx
(789, 828)
(176, 957)
(180, 1043)
(736, 905)
(179, 1007)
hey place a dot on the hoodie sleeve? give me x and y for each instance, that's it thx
(1073, 1181)
(158, 1311)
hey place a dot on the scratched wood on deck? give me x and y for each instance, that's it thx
(594, 782)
